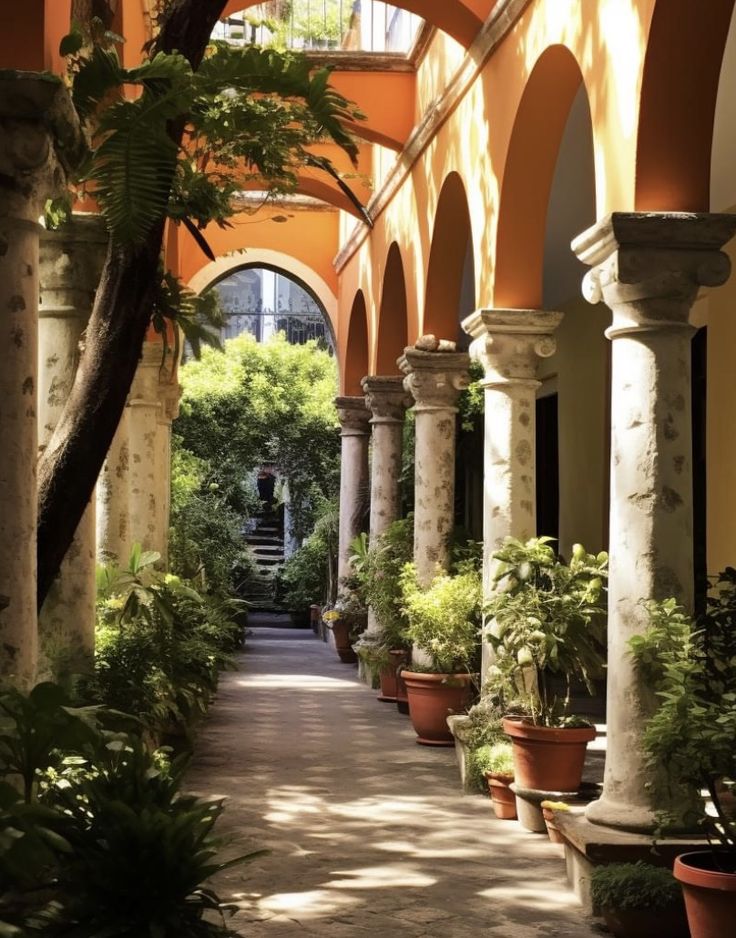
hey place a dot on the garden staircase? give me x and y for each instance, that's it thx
(266, 542)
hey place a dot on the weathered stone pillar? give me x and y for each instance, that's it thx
(387, 401)
(70, 265)
(114, 539)
(435, 380)
(169, 394)
(647, 268)
(144, 413)
(39, 139)
(509, 343)
(355, 433)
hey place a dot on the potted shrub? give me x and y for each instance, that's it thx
(639, 900)
(691, 741)
(546, 620)
(499, 774)
(377, 571)
(443, 625)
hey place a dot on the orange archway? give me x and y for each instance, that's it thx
(678, 99)
(452, 242)
(392, 326)
(527, 178)
(355, 356)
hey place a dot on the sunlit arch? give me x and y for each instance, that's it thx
(273, 260)
(451, 240)
(355, 358)
(678, 99)
(392, 315)
(527, 177)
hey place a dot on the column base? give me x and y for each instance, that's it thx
(589, 845)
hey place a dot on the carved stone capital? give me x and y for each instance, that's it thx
(40, 141)
(510, 343)
(71, 260)
(386, 398)
(353, 415)
(648, 266)
(434, 379)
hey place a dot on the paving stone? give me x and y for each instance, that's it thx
(368, 833)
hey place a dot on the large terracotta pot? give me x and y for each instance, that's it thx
(710, 896)
(547, 758)
(341, 632)
(431, 698)
(389, 677)
(502, 798)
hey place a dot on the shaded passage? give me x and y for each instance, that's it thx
(368, 832)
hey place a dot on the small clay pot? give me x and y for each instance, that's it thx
(552, 831)
(341, 632)
(710, 895)
(389, 677)
(502, 798)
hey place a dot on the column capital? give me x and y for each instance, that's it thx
(434, 379)
(353, 415)
(385, 398)
(509, 343)
(648, 266)
(71, 260)
(40, 140)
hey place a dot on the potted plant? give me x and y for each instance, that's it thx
(548, 813)
(691, 741)
(545, 622)
(499, 774)
(377, 571)
(443, 624)
(639, 900)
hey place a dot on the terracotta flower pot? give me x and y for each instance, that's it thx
(552, 832)
(431, 698)
(341, 632)
(389, 677)
(710, 896)
(547, 758)
(645, 923)
(502, 798)
(402, 695)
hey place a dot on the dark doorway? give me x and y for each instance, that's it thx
(548, 467)
(699, 359)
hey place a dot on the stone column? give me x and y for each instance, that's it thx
(145, 411)
(70, 265)
(509, 343)
(647, 268)
(387, 401)
(114, 539)
(355, 433)
(39, 139)
(435, 380)
(169, 395)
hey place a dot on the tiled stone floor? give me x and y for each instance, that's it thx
(367, 832)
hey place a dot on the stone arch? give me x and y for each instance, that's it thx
(273, 260)
(529, 169)
(355, 358)
(450, 274)
(678, 99)
(392, 331)
(461, 19)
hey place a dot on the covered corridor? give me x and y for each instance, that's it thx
(368, 833)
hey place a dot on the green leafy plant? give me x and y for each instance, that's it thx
(491, 757)
(690, 736)
(444, 619)
(634, 887)
(545, 618)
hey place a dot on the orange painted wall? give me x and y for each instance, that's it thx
(30, 33)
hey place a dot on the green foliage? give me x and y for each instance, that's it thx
(308, 575)
(546, 617)
(198, 317)
(483, 724)
(491, 757)
(634, 887)
(692, 670)
(264, 402)
(444, 619)
(471, 404)
(251, 113)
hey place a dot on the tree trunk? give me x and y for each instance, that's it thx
(75, 454)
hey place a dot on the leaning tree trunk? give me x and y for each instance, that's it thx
(74, 457)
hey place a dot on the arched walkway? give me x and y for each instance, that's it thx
(368, 833)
